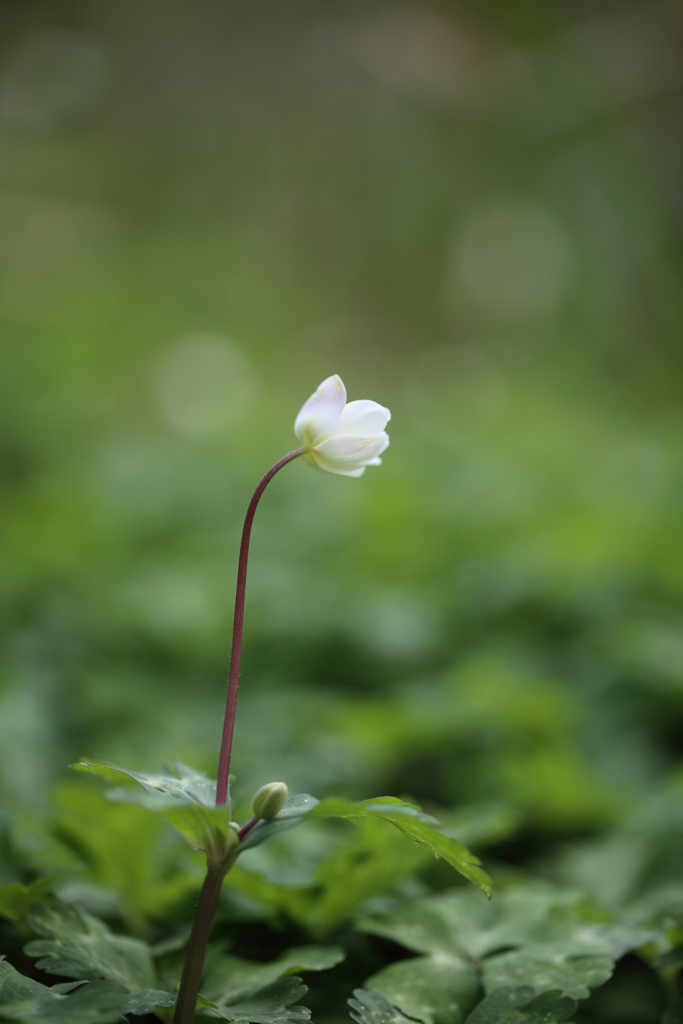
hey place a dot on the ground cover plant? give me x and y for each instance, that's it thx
(97, 891)
(470, 211)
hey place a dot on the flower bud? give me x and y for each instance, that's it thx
(269, 800)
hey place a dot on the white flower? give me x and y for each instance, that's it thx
(339, 436)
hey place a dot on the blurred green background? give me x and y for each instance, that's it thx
(467, 210)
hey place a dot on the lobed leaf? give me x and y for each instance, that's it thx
(228, 979)
(532, 935)
(181, 796)
(28, 1002)
(373, 1008)
(522, 1006)
(412, 822)
(432, 990)
(275, 1004)
(77, 945)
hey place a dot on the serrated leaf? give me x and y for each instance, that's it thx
(373, 1008)
(229, 979)
(28, 1002)
(431, 990)
(412, 822)
(183, 797)
(522, 1006)
(273, 1005)
(77, 945)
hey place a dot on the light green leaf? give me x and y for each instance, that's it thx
(373, 1008)
(183, 797)
(17, 899)
(77, 945)
(522, 1006)
(431, 990)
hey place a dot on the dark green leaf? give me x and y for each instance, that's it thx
(273, 1005)
(546, 970)
(529, 935)
(77, 945)
(522, 1006)
(435, 991)
(229, 979)
(28, 1002)
(292, 814)
(419, 827)
(148, 1000)
(373, 1008)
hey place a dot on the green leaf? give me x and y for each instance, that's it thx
(228, 979)
(530, 935)
(183, 797)
(180, 781)
(292, 814)
(547, 969)
(28, 1002)
(435, 991)
(419, 827)
(77, 945)
(373, 1008)
(273, 1005)
(370, 861)
(17, 899)
(148, 1000)
(522, 1006)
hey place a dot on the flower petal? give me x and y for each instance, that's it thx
(346, 454)
(362, 418)
(321, 411)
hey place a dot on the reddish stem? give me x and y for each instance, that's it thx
(237, 629)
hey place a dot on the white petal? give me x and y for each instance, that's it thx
(321, 411)
(345, 454)
(362, 418)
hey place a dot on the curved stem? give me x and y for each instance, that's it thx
(237, 628)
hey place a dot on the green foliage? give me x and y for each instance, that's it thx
(372, 1008)
(531, 935)
(408, 819)
(184, 798)
(28, 1002)
(264, 993)
(523, 1006)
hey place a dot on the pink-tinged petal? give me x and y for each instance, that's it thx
(322, 410)
(362, 418)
